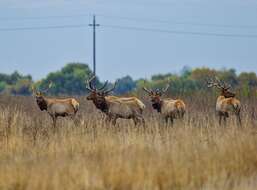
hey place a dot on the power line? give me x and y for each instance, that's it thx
(137, 19)
(135, 29)
(181, 32)
(42, 17)
(44, 27)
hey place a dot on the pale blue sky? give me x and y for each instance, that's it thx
(122, 52)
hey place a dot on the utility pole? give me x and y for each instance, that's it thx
(94, 25)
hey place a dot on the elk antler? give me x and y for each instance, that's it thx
(212, 83)
(47, 88)
(111, 89)
(218, 83)
(165, 89)
(223, 84)
(103, 87)
(149, 91)
(89, 85)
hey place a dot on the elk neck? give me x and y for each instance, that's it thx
(221, 97)
(42, 103)
(101, 104)
(158, 106)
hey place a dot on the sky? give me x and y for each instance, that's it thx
(136, 37)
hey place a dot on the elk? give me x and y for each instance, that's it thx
(60, 107)
(169, 108)
(226, 102)
(115, 107)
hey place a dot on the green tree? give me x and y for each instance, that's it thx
(186, 72)
(125, 85)
(248, 83)
(248, 79)
(22, 87)
(2, 86)
(228, 76)
(69, 80)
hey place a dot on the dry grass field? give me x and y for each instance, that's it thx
(193, 154)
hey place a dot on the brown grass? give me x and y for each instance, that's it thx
(194, 154)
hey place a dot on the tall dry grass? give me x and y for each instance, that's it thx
(194, 154)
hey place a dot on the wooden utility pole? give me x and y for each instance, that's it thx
(94, 25)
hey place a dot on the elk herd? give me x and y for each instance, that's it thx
(115, 107)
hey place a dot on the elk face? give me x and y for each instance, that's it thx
(92, 96)
(227, 94)
(41, 102)
(98, 95)
(155, 96)
(156, 102)
(39, 96)
(99, 100)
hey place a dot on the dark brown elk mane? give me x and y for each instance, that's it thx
(100, 103)
(157, 103)
(41, 103)
(157, 106)
(227, 94)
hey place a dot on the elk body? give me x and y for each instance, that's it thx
(226, 103)
(116, 107)
(169, 108)
(57, 107)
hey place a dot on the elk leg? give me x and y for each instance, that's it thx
(166, 119)
(75, 120)
(179, 114)
(108, 119)
(135, 121)
(225, 120)
(114, 119)
(140, 119)
(182, 114)
(143, 121)
(171, 120)
(220, 118)
(239, 119)
(54, 121)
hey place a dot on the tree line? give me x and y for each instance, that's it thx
(70, 80)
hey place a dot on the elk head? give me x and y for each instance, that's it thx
(39, 95)
(155, 96)
(98, 95)
(222, 86)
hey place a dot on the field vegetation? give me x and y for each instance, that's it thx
(195, 153)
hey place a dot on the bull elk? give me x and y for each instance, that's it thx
(115, 107)
(226, 102)
(60, 107)
(169, 108)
